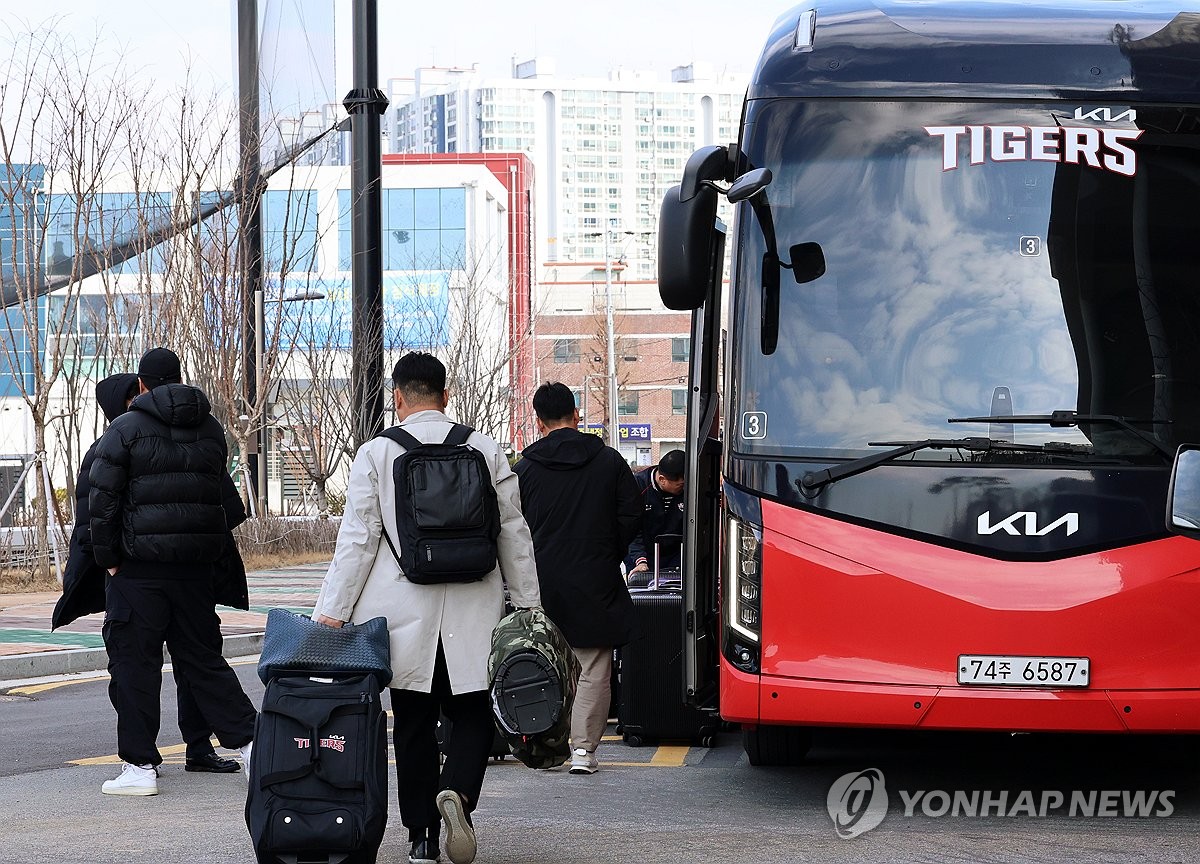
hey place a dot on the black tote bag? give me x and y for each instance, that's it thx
(295, 643)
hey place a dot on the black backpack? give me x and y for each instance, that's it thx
(447, 514)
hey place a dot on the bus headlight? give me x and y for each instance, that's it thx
(743, 588)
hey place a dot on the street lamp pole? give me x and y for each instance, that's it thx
(614, 437)
(250, 230)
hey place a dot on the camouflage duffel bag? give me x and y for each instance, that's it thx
(533, 674)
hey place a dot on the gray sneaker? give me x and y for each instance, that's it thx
(460, 834)
(583, 762)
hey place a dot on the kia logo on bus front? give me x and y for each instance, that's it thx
(1026, 522)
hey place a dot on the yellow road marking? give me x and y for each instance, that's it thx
(664, 757)
(42, 688)
(669, 757)
(172, 750)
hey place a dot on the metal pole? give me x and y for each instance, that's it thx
(365, 103)
(262, 435)
(614, 437)
(250, 228)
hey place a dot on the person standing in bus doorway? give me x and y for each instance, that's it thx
(441, 632)
(661, 500)
(159, 524)
(583, 509)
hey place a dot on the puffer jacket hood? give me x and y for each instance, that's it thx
(112, 392)
(564, 449)
(175, 404)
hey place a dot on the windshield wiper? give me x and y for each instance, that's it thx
(1070, 418)
(814, 480)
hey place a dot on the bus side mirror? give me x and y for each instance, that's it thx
(1183, 495)
(808, 262)
(686, 243)
(687, 234)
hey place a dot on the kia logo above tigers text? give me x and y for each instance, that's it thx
(1025, 523)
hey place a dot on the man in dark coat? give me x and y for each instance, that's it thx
(83, 579)
(581, 503)
(661, 504)
(159, 527)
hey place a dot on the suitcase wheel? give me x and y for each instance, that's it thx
(633, 740)
(708, 741)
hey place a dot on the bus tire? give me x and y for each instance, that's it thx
(776, 745)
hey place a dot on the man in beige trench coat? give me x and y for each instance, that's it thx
(440, 634)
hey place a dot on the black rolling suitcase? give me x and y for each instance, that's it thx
(651, 706)
(318, 774)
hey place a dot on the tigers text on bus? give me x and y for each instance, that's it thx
(1098, 148)
(962, 288)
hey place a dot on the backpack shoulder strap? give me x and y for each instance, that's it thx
(458, 434)
(400, 436)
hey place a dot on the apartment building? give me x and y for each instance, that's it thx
(604, 150)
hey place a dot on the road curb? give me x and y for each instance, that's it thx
(40, 664)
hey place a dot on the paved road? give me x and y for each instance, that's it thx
(647, 805)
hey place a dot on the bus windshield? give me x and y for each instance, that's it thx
(982, 260)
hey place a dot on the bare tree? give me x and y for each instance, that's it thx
(461, 314)
(63, 110)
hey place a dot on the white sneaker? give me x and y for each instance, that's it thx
(245, 751)
(583, 762)
(133, 780)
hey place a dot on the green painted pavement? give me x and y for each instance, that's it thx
(45, 637)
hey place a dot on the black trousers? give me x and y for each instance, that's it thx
(414, 733)
(142, 614)
(192, 728)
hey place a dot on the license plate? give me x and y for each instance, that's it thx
(997, 669)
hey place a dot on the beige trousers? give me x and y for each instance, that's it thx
(589, 716)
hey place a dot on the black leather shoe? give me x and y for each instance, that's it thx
(210, 763)
(423, 852)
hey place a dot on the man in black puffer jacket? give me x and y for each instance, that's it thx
(159, 526)
(83, 580)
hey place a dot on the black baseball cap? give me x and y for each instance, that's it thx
(159, 366)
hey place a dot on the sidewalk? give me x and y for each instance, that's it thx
(28, 649)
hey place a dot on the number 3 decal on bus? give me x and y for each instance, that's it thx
(754, 424)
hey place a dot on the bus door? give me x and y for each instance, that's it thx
(690, 267)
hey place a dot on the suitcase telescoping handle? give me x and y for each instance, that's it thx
(665, 538)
